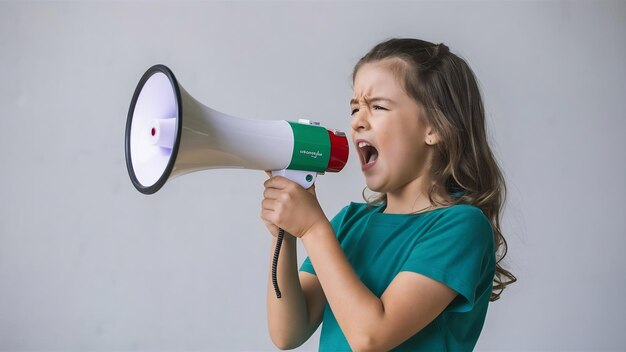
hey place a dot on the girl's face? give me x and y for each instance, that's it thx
(388, 130)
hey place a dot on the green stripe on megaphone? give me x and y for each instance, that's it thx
(311, 148)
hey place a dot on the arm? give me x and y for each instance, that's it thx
(293, 318)
(410, 302)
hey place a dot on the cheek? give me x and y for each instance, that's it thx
(402, 140)
(405, 151)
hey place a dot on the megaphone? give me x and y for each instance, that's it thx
(169, 133)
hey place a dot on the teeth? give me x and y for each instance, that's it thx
(364, 144)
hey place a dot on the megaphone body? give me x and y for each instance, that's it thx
(169, 133)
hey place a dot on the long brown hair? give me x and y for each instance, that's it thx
(464, 170)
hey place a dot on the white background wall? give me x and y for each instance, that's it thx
(89, 264)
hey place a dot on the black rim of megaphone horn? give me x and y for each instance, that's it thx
(179, 122)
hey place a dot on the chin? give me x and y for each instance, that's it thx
(375, 186)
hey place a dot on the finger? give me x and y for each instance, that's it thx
(286, 183)
(273, 229)
(270, 183)
(277, 182)
(272, 193)
(269, 205)
(268, 216)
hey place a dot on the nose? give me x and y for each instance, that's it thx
(360, 120)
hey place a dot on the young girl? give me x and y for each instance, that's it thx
(414, 269)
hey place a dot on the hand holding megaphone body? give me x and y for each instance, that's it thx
(169, 133)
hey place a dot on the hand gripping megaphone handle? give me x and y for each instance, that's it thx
(306, 179)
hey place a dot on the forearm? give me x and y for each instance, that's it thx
(357, 310)
(287, 316)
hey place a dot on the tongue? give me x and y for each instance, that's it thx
(373, 156)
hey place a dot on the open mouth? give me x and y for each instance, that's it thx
(367, 153)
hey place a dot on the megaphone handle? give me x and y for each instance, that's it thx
(279, 242)
(306, 179)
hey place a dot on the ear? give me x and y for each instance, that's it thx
(431, 137)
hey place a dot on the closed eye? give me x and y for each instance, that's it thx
(374, 107)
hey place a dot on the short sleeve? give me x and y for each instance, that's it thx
(458, 252)
(336, 223)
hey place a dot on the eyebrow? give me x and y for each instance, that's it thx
(354, 101)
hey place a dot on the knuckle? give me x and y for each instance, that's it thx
(292, 186)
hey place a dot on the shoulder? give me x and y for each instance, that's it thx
(462, 209)
(463, 219)
(464, 213)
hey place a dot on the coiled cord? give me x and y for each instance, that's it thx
(279, 242)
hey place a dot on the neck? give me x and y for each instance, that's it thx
(412, 197)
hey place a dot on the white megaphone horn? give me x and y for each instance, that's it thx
(169, 133)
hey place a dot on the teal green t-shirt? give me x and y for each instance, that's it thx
(453, 245)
